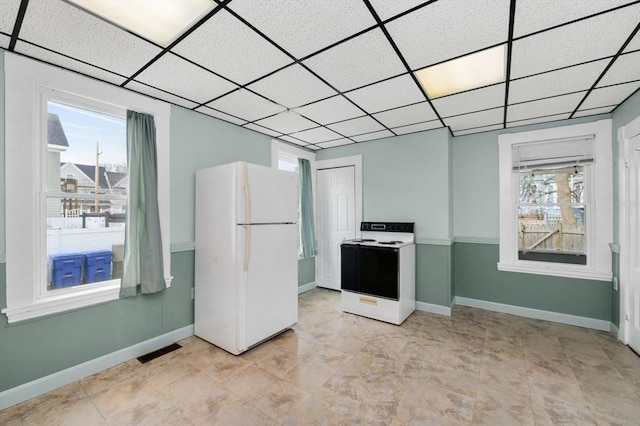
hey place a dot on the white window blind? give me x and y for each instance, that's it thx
(556, 153)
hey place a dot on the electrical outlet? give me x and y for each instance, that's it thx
(615, 283)
(193, 293)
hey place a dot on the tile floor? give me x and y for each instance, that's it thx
(475, 367)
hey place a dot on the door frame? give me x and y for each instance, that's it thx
(625, 133)
(334, 163)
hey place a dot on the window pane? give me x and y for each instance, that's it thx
(551, 216)
(289, 166)
(86, 159)
(559, 186)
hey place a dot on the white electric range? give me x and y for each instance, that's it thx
(378, 272)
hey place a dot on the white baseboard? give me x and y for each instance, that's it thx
(434, 309)
(53, 381)
(306, 287)
(615, 331)
(595, 324)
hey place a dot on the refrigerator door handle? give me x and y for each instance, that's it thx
(247, 196)
(247, 248)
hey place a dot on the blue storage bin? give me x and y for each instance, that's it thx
(67, 269)
(97, 266)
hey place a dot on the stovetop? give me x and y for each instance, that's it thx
(384, 234)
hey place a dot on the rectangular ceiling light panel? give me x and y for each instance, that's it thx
(158, 21)
(464, 73)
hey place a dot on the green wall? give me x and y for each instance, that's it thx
(405, 179)
(33, 349)
(476, 277)
(306, 270)
(408, 179)
(476, 220)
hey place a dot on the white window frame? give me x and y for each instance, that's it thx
(27, 84)
(599, 218)
(280, 149)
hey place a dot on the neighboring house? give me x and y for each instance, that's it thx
(108, 182)
(56, 143)
(82, 179)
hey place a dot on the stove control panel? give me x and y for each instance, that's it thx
(387, 226)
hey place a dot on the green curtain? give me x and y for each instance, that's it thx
(143, 270)
(307, 223)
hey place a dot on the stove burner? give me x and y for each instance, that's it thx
(390, 242)
(363, 240)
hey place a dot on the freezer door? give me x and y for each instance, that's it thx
(268, 267)
(266, 195)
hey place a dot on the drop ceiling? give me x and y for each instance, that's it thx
(326, 73)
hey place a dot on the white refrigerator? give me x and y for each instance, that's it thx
(246, 258)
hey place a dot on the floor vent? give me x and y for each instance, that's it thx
(155, 354)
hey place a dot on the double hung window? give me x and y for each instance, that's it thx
(555, 201)
(66, 187)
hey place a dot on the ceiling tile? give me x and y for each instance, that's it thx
(312, 147)
(536, 15)
(220, 115)
(594, 111)
(386, 9)
(287, 122)
(292, 87)
(573, 79)
(388, 94)
(201, 86)
(4, 41)
(634, 44)
(71, 64)
(625, 68)
(611, 95)
(543, 107)
(357, 126)
(337, 142)
(293, 140)
(406, 115)
(473, 100)
(590, 39)
(102, 44)
(305, 26)
(231, 49)
(478, 130)
(450, 28)
(372, 136)
(476, 119)
(319, 134)
(245, 105)
(365, 59)
(159, 94)
(330, 110)
(545, 119)
(420, 127)
(261, 129)
(8, 13)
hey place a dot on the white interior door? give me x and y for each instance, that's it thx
(336, 221)
(633, 299)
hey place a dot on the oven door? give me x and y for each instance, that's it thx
(370, 270)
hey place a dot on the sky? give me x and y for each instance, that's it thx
(84, 128)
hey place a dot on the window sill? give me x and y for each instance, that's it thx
(555, 271)
(69, 300)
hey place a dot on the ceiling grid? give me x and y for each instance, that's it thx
(337, 72)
